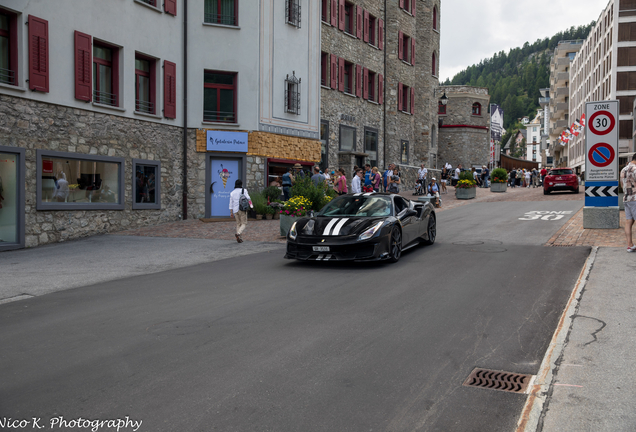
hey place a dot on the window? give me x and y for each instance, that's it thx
(476, 109)
(404, 152)
(221, 12)
(369, 90)
(324, 68)
(219, 97)
(406, 48)
(150, 2)
(406, 96)
(408, 6)
(434, 65)
(371, 33)
(12, 173)
(105, 75)
(441, 108)
(292, 94)
(347, 138)
(292, 12)
(79, 182)
(348, 18)
(145, 84)
(146, 184)
(8, 48)
(324, 145)
(435, 18)
(348, 77)
(324, 6)
(371, 146)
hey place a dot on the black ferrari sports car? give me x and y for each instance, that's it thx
(362, 227)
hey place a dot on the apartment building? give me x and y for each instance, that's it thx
(107, 127)
(605, 69)
(533, 140)
(544, 101)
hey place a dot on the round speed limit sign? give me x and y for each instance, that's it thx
(601, 123)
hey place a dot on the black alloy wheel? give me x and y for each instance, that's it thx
(396, 245)
(431, 230)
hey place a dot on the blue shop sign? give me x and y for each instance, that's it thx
(227, 141)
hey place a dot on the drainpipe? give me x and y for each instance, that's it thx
(185, 110)
(386, 25)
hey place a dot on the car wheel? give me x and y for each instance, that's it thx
(431, 230)
(577, 190)
(546, 192)
(395, 245)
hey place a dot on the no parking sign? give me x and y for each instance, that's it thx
(601, 143)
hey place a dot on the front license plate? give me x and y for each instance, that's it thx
(560, 184)
(321, 248)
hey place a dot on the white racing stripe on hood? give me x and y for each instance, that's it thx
(330, 225)
(336, 230)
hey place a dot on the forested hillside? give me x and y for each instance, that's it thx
(514, 79)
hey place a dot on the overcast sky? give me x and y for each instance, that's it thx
(473, 30)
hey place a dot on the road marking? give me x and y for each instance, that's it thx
(568, 385)
(545, 215)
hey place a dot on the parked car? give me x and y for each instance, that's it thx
(560, 179)
(362, 227)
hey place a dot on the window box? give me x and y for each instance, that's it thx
(219, 97)
(221, 12)
(146, 184)
(74, 181)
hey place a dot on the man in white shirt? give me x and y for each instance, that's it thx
(421, 176)
(456, 175)
(356, 182)
(239, 215)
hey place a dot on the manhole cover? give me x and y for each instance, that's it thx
(498, 380)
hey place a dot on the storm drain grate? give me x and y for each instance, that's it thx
(497, 380)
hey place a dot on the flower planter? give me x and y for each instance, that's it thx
(269, 216)
(259, 216)
(498, 187)
(286, 222)
(465, 193)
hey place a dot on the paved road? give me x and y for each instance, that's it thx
(260, 343)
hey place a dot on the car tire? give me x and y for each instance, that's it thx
(546, 192)
(395, 245)
(576, 190)
(431, 230)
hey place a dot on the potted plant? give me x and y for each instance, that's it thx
(260, 205)
(269, 213)
(466, 186)
(272, 193)
(294, 208)
(498, 180)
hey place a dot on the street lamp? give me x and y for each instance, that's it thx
(444, 99)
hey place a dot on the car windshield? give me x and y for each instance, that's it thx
(359, 206)
(561, 172)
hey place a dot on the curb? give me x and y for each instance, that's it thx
(532, 412)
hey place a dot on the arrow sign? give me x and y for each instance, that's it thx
(601, 191)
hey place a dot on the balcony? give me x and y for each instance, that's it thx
(560, 124)
(219, 116)
(562, 106)
(563, 91)
(563, 61)
(563, 76)
(544, 100)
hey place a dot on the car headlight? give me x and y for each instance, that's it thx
(371, 231)
(292, 232)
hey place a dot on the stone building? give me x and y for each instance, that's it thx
(464, 134)
(104, 127)
(379, 67)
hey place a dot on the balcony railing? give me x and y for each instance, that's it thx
(104, 98)
(214, 18)
(544, 100)
(144, 106)
(219, 116)
(7, 76)
(150, 2)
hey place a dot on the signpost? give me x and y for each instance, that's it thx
(601, 165)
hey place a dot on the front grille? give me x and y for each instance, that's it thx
(497, 380)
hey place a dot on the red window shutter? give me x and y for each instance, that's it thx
(400, 91)
(334, 13)
(83, 67)
(334, 72)
(169, 89)
(412, 99)
(170, 6)
(359, 22)
(412, 51)
(380, 89)
(38, 54)
(341, 74)
(366, 26)
(358, 80)
(413, 3)
(341, 14)
(400, 45)
(402, 4)
(381, 34)
(365, 80)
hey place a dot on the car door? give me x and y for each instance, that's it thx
(408, 218)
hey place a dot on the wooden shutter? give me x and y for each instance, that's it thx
(365, 80)
(412, 99)
(169, 89)
(38, 54)
(358, 80)
(341, 74)
(381, 34)
(413, 7)
(400, 45)
(412, 51)
(341, 15)
(334, 13)
(366, 26)
(359, 22)
(170, 6)
(402, 4)
(83, 67)
(334, 72)
(380, 89)
(400, 91)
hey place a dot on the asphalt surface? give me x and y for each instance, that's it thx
(260, 343)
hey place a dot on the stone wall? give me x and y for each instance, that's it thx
(40, 126)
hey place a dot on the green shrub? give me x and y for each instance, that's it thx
(315, 194)
(272, 192)
(260, 203)
(499, 175)
(466, 175)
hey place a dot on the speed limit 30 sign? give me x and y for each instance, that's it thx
(601, 143)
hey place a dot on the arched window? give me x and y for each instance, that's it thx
(434, 68)
(434, 17)
(476, 109)
(441, 108)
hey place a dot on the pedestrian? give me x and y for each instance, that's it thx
(240, 203)
(422, 173)
(513, 178)
(288, 179)
(433, 191)
(443, 179)
(456, 175)
(385, 176)
(394, 182)
(376, 180)
(340, 184)
(317, 179)
(544, 172)
(628, 180)
(528, 177)
(485, 173)
(367, 175)
(356, 182)
(476, 177)
(298, 173)
(519, 177)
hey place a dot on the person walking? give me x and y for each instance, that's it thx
(513, 178)
(528, 177)
(444, 177)
(237, 208)
(458, 170)
(385, 176)
(356, 182)
(544, 172)
(628, 180)
(485, 175)
(422, 174)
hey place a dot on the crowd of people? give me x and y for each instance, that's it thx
(521, 177)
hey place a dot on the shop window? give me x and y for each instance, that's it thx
(8, 48)
(347, 138)
(146, 184)
(292, 12)
(12, 181)
(371, 146)
(292, 94)
(404, 152)
(221, 12)
(219, 97)
(324, 145)
(145, 86)
(476, 109)
(72, 181)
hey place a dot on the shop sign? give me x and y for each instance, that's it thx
(220, 141)
(47, 167)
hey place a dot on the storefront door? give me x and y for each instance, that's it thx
(224, 172)
(11, 199)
